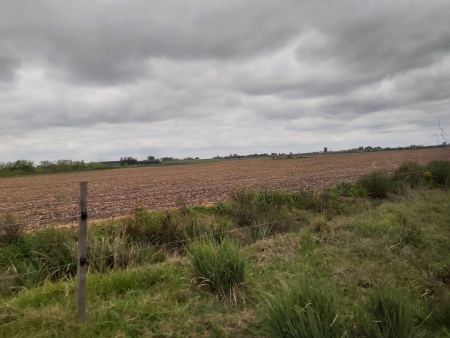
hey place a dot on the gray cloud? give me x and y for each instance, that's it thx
(184, 77)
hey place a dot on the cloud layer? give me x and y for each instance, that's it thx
(103, 79)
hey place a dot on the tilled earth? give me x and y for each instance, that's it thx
(43, 199)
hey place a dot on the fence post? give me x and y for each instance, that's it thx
(82, 252)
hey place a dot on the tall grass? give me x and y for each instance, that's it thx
(390, 315)
(304, 311)
(218, 267)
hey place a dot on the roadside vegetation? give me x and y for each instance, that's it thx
(368, 258)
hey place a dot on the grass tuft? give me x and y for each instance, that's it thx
(219, 268)
(304, 311)
(390, 315)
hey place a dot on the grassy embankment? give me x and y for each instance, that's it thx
(369, 259)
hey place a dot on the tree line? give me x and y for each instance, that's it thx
(24, 167)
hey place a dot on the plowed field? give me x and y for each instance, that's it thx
(54, 198)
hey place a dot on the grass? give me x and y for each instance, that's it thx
(373, 267)
(307, 310)
(218, 267)
(390, 314)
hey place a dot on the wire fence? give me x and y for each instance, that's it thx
(156, 246)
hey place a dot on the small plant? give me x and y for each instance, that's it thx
(219, 268)
(10, 229)
(390, 315)
(306, 311)
(378, 184)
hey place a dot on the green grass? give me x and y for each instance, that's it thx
(218, 267)
(308, 310)
(339, 264)
(390, 314)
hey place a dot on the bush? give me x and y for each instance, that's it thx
(220, 268)
(377, 184)
(440, 172)
(10, 229)
(306, 311)
(390, 315)
(410, 173)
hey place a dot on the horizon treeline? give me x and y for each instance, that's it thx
(24, 167)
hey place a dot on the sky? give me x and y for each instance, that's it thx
(101, 79)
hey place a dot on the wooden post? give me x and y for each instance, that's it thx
(82, 252)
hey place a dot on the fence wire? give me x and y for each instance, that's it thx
(151, 246)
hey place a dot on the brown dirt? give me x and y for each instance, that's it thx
(39, 199)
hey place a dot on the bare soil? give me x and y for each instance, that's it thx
(44, 199)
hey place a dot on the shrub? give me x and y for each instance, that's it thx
(378, 184)
(440, 172)
(10, 229)
(306, 311)
(390, 315)
(411, 173)
(220, 268)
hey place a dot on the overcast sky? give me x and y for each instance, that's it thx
(103, 79)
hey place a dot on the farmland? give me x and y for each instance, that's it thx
(41, 198)
(363, 259)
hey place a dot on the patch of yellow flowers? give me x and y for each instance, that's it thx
(427, 174)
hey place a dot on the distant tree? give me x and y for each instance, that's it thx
(23, 165)
(128, 160)
(325, 149)
(151, 158)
